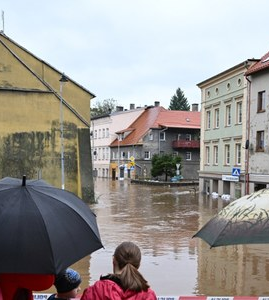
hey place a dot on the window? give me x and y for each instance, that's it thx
(104, 153)
(147, 155)
(239, 112)
(95, 134)
(207, 155)
(216, 118)
(228, 115)
(227, 154)
(260, 141)
(107, 132)
(208, 119)
(188, 137)
(238, 154)
(122, 155)
(151, 136)
(104, 133)
(162, 136)
(261, 101)
(188, 155)
(99, 133)
(107, 153)
(94, 154)
(216, 155)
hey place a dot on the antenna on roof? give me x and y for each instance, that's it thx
(3, 21)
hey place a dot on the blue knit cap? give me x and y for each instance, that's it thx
(67, 281)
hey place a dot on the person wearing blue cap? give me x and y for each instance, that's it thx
(67, 285)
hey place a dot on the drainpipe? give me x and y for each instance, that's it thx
(248, 135)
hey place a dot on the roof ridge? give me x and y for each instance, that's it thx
(43, 61)
(41, 80)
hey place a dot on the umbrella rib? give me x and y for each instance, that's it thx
(212, 244)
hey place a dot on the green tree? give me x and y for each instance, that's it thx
(103, 107)
(164, 164)
(179, 101)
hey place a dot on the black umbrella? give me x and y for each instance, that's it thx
(43, 229)
(243, 221)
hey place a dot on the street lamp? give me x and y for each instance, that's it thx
(62, 80)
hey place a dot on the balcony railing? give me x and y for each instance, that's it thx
(185, 144)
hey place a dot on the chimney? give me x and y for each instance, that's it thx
(132, 106)
(157, 103)
(119, 108)
(194, 107)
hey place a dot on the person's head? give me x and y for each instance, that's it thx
(126, 261)
(126, 253)
(68, 283)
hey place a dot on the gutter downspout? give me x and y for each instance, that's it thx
(248, 135)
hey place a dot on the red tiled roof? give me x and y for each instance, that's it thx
(158, 117)
(179, 119)
(262, 64)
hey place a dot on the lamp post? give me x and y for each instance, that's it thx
(119, 152)
(62, 80)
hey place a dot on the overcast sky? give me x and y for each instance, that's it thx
(140, 51)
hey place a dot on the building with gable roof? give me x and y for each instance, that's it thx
(158, 131)
(103, 130)
(257, 158)
(30, 122)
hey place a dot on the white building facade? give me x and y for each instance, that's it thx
(103, 133)
(258, 126)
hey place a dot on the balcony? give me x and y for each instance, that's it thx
(185, 144)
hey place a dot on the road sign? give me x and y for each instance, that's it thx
(236, 172)
(230, 178)
(132, 158)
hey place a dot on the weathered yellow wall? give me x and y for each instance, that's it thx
(30, 121)
(78, 97)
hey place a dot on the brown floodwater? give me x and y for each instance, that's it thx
(162, 221)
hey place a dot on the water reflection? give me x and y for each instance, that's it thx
(162, 221)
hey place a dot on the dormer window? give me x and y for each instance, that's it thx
(121, 136)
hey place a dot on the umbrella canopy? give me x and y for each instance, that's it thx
(244, 221)
(43, 229)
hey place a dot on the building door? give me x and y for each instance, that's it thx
(113, 174)
(121, 172)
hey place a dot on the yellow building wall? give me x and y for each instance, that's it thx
(78, 97)
(30, 122)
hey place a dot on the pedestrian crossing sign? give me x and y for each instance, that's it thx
(236, 172)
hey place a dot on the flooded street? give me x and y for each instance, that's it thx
(162, 221)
